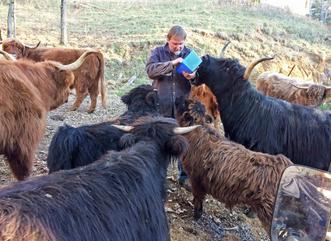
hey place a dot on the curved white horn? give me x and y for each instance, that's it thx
(75, 65)
(123, 128)
(183, 130)
(7, 55)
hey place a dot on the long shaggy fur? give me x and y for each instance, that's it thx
(117, 198)
(73, 147)
(27, 92)
(285, 88)
(228, 171)
(263, 123)
(87, 78)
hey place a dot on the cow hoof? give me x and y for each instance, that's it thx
(90, 111)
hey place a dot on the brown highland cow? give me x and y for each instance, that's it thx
(87, 77)
(227, 170)
(27, 91)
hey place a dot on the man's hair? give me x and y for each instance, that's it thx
(176, 31)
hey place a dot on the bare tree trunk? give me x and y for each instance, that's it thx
(64, 34)
(11, 20)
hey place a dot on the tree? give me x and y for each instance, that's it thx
(320, 9)
(11, 20)
(64, 34)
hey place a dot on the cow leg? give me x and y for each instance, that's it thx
(93, 103)
(198, 197)
(79, 99)
(20, 163)
(93, 91)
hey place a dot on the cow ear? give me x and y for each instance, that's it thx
(177, 145)
(152, 99)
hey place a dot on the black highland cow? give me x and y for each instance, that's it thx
(73, 147)
(120, 197)
(263, 123)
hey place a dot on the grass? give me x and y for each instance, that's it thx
(126, 31)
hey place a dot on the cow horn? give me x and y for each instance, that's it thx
(123, 128)
(223, 49)
(75, 65)
(183, 130)
(7, 56)
(32, 47)
(252, 65)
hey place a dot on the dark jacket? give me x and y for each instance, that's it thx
(168, 82)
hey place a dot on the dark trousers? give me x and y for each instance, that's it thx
(182, 176)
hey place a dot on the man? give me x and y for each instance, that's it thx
(161, 67)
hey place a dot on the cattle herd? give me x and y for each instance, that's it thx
(107, 181)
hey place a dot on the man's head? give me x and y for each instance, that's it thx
(176, 39)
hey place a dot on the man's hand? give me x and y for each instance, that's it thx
(177, 61)
(188, 75)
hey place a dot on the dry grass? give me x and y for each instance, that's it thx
(127, 30)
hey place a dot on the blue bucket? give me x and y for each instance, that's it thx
(190, 63)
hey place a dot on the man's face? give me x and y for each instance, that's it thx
(176, 45)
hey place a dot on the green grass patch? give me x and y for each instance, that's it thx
(125, 31)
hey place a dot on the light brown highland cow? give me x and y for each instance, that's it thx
(291, 90)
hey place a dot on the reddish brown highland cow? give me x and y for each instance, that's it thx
(203, 94)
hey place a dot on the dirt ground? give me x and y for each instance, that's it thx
(217, 222)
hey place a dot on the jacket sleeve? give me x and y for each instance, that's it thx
(155, 67)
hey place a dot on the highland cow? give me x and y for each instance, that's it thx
(120, 197)
(142, 100)
(27, 91)
(291, 90)
(88, 77)
(73, 147)
(262, 123)
(228, 171)
(203, 94)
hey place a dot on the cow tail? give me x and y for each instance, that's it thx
(101, 78)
